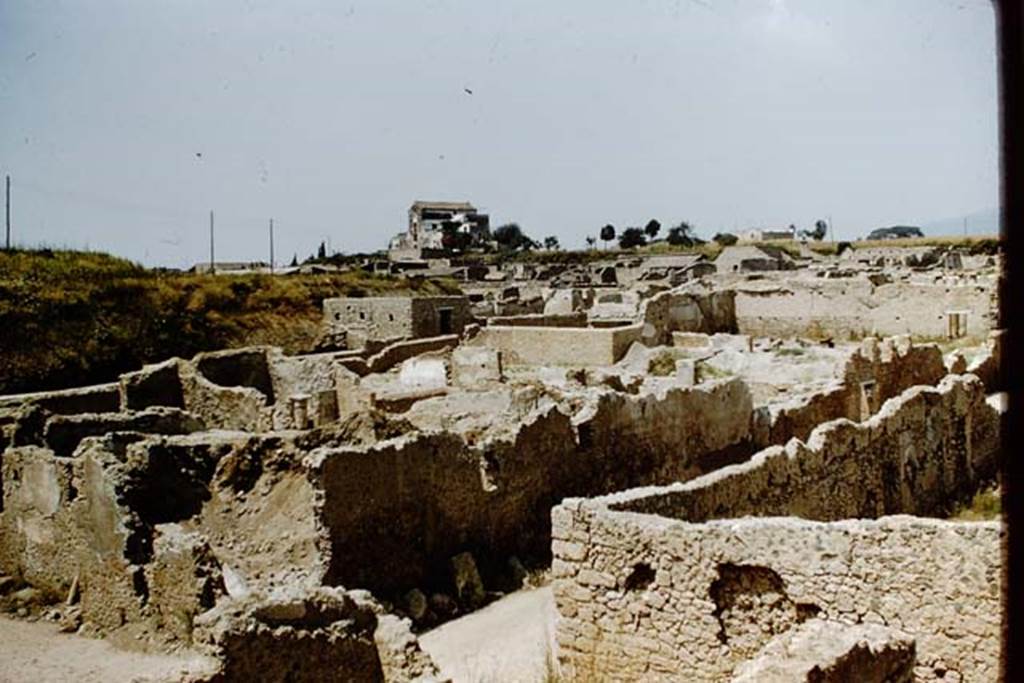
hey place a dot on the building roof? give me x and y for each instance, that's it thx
(674, 260)
(754, 251)
(420, 205)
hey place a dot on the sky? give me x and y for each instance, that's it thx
(124, 123)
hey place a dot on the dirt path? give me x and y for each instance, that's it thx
(508, 640)
(35, 652)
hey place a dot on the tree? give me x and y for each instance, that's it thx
(591, 241)
(820, 230)
(726, 239)
(652, 228)
(453, 238)
(632, 237)
(511, 237)
(321, 252)
(681, 235)
(551, 243)
(295, 261)
(607, 234)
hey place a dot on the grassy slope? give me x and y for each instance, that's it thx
(73, 318)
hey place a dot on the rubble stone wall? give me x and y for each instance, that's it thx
(888, 367)
(923, 449)
(659, 582)
(852, 309)
(405, 506)
(647, 598)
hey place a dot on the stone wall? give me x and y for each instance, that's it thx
(680, 310)
(577, 319)
(876, 372)
(437, 494)
(578, 347)
(377, 318)
(851, 309)
(647, 598)
(97, 398)
(144, 525)
(659, 583)
(922, 450)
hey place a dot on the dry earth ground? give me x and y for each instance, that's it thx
(509, 640)
(35, 652)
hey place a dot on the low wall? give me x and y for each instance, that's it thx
(579, 347)
(393, 354)
(540, 320)
(98, 398)
(648, 582)
(851, 309)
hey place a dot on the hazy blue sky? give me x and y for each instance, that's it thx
(332, 117)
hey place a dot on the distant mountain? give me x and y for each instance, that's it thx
(984, 222)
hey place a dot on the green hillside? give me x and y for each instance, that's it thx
(72, 318)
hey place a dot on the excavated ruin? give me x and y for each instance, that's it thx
(697, 492)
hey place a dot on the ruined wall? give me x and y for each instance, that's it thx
(154, 385)
(685, 311)
(851, 309)
(650, 584)
(146, 526)
(876, 372)
(430, 319)
(397, 511)
(437, 495)
(646, 598)
(558, 346)
(221, 407)
(923, 449)
(378, 318)
(248, 367)
(577, 319)
(296, 376)
(987, 366)
(395, 353)
(674, 435)
(97, 398)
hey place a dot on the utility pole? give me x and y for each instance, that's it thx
(212, 268)
(271, 246)
(965, 226)
(8, 212)
(831, 232)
